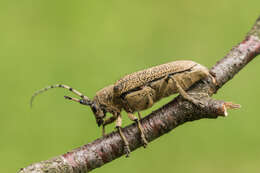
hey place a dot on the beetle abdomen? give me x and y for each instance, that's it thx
(141, 78)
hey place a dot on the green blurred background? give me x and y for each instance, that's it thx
(89, 44)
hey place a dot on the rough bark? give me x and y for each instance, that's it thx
(161, 121)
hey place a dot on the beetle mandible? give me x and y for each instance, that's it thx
(138, 91)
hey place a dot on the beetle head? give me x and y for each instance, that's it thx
(99, 112)
(97, 108)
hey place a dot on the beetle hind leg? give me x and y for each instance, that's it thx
(185, 95)
(140, 127)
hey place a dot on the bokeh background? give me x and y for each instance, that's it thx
(89, 44)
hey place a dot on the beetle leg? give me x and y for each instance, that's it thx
(213, 79)
(163, 86)
(145, 142)
(150, 102)
(108, 121)
(134, 118)
(119, 128)
(184, 94)
(139, 116)
(103, 130)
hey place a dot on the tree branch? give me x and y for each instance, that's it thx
(163, 120)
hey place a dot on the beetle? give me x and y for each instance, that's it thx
(139, 91)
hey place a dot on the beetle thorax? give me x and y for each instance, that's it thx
(105, 98)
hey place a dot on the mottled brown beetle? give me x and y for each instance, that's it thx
(139, 91)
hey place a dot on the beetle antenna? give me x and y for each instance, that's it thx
(81, 101)
(87, 101)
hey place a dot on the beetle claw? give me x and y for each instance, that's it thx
(127, 151)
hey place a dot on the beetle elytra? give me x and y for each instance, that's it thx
(138, 91)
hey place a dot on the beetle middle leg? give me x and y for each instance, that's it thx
(163, 86)
(140, 127)
(139, 100)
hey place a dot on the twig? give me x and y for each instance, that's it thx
(161, 121)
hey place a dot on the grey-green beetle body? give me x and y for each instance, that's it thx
(139, 91)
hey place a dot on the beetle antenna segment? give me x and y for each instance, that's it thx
(85, 98)
(81, 101)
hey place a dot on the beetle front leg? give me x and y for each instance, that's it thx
(108, 121)
(134, 118)
(119, 128)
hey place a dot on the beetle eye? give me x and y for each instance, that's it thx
(94, 109)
